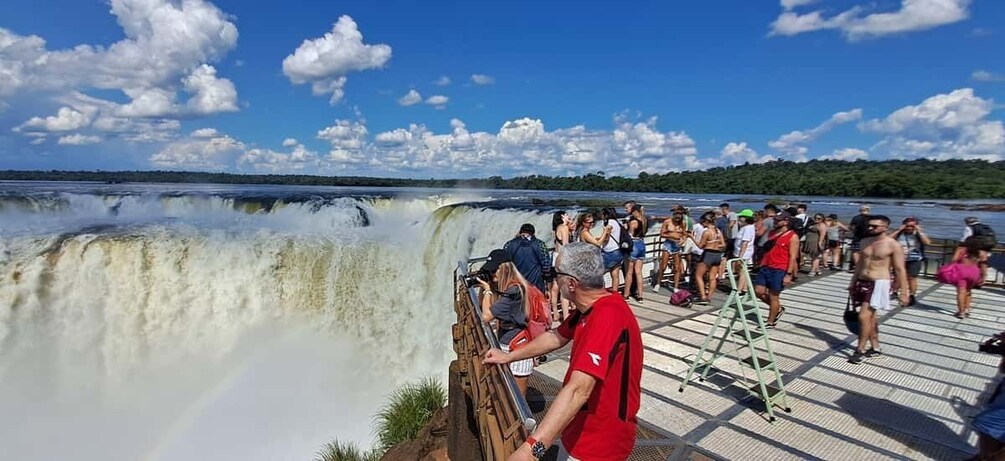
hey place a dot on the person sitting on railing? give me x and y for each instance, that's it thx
(506, 298)
(596, 409)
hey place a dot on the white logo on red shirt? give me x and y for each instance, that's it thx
(595, 358)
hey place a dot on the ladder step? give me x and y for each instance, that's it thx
(754, 335)
(762, 363)
(773, 391)
(752, 316)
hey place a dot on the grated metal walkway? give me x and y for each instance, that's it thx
(915, 402)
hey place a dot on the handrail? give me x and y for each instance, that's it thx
(513, 392)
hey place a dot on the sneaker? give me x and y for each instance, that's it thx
(656, 288)
(857, 358)
(872, 353)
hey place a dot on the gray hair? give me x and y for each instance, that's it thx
(583, 261)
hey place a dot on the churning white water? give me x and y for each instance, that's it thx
(221, 325)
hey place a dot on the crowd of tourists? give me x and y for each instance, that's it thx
(595, 266)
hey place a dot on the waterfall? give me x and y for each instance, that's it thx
(211, 325)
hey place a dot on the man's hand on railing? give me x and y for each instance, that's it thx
(522, 454)
(496, 356)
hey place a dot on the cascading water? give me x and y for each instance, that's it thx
(221, 326)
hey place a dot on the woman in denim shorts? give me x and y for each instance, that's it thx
(637, 226)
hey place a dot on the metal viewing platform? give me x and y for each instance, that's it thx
(915, 402)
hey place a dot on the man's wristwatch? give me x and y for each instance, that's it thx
(536, 448)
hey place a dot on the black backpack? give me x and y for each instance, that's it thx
(984, 235)
(796, 225)
(625, 240)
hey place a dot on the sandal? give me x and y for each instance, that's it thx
(781, 310)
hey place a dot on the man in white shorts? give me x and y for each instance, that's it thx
(870, 286)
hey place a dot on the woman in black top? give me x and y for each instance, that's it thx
(637, 227)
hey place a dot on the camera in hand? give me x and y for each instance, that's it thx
(471, 280)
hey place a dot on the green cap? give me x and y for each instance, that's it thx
(747, 212)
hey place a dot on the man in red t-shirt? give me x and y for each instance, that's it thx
(595, 410)
(778, 266)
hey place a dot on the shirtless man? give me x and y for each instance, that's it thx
(870, 286)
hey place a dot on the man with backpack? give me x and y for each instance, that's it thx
(530, 257)
(986, 241)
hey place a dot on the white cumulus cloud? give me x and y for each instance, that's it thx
(790, 4)
(442, 81)
(985, 76)
(412, 98)
(324, 62)
(270, 161)
(736, 153)
(199, 153)
(794, 143)
(166, 51)
(862, 21)
(482, 79)
(848, 154)
(66, 119)
(438, 100)
(347, 139)
(951, 125)
(525, 146)
(205, 133)
(210, 94)
(78, 140)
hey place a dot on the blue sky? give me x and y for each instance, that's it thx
(469, 89)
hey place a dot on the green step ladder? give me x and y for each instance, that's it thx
(744, 310)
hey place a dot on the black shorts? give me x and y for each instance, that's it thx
(711, 258)
(856, 245)
(832, 244)
(914, 268)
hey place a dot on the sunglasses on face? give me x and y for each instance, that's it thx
(566, 274)
(876, 226)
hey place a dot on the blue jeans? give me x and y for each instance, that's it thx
(613, 259)
(638, 249)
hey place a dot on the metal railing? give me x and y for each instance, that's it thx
(503, 418)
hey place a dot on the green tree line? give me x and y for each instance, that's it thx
(950, 179)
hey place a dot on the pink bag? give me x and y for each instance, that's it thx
(949, 273)
(681, 298)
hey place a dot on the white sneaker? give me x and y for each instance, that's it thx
(656, 289)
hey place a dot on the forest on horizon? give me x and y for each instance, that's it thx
(908, 179)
